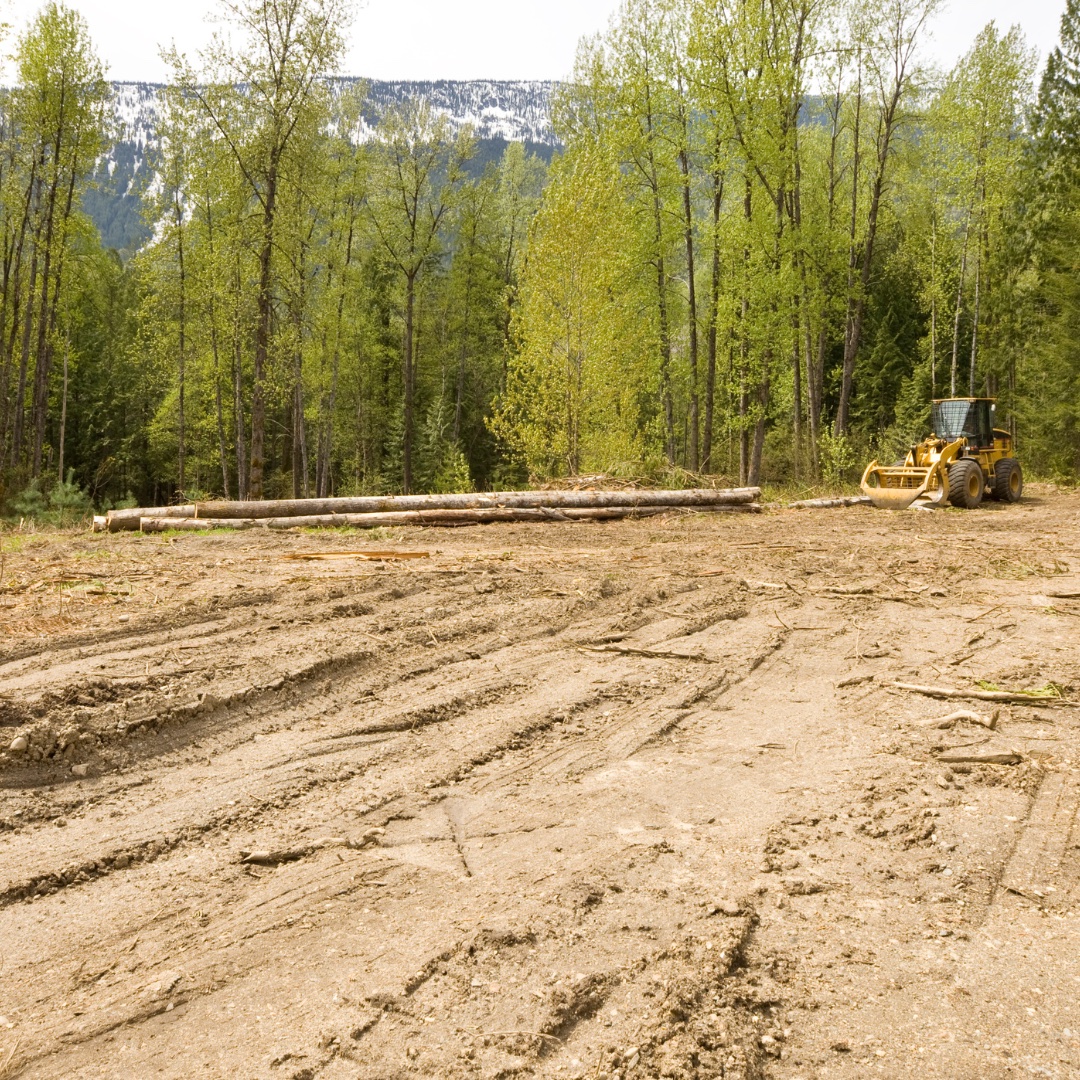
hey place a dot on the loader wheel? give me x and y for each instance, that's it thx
(1008, 480)
(966, 484)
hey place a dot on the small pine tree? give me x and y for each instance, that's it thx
(68, 501)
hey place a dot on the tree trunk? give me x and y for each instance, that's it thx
(262, 339)
(744, 346)
(956, 316)
(24, 356)
(813, 406)
(744, 431)
(661, 289)
(43, 353)
(63, 413)
(796, 379)
(119, 520)
(933, 306)
(847, 371)
(12, 303)
(238, 409)
(857, 311)
(975, 327)
(219, 409)
(714, 315)
(409, 376)
(425, 518)
(181, 372)
(753, 476)
(459, 389)
(216, 352)
(688, 232)
(299, 435)
(54, 312)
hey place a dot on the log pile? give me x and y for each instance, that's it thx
(439, 510)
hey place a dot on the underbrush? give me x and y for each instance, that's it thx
(64, 505)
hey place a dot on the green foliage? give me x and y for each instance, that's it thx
(441, 466)
(770, 240)
(584, 376)
(838, 459)
(31, 503)
(65, 504)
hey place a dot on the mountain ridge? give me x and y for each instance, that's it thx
(498, 110)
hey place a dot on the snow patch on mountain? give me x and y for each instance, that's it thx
(497, 111)
(513, 111)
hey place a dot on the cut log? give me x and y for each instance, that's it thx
(520, 500)
(441, 518)
(121, 520)
(825, 504)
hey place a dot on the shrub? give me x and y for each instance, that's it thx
(65, 504)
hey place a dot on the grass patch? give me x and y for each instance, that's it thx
(381, 532)
(174, 534)
(1016, 569)
(795, 491)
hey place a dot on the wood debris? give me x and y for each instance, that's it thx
(944, 722)
(1027, 698)
(374, 555)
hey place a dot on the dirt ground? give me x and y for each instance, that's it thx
(627, 800)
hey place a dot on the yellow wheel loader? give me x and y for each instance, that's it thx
(964, 458)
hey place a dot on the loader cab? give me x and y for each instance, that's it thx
(968, 418)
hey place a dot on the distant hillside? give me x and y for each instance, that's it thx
(499, 112)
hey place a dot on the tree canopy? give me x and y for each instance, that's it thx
(771, 236)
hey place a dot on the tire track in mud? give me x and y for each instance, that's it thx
(209, 963)
(596, 909)
(116, 723)
(643, 724)
(100, 639)
(137, 717)
(517, 739)
(103, 862)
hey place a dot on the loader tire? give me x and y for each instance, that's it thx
(966, 484)
(1008, 480)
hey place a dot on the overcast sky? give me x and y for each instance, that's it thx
(466, 39)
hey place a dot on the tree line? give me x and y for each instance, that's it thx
(817, 237)
(771, 236)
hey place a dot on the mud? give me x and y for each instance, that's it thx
(620, 800)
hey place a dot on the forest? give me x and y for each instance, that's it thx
(772, 234)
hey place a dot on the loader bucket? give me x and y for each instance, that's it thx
(896, 487)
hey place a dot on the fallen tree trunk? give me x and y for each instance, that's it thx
(443, 518)
(517, 500)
